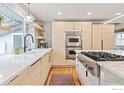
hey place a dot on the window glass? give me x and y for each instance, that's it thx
(17, 41)
(119, 38)
(11, 31)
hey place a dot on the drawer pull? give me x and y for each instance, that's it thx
(33, 63)
(38, 60)
(14, 78)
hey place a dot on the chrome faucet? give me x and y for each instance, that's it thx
(25, 41)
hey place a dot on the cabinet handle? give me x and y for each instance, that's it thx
(102, 44)
(33, 63)
(14, 78)
(86, 73)
(39, 59)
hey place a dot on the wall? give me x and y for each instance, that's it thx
(48, 33)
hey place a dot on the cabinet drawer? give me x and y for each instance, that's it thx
(20, 79)
(81, 72)
(108, 78)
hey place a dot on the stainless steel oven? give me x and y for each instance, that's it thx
(73, 38)
(70, 52)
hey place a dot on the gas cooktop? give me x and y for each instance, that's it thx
(103, 56)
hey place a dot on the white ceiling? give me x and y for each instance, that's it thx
(76, 11)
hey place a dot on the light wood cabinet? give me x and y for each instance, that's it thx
(36, 74)
(96, 36)
(102, 36)
(108, 37)
(19, 79)
(33, 76)
(58, 42)
(58, 27)
(45, 68)
(77, 26)
(86, 35)
(30, 76)
(58, 39)
(69, 26)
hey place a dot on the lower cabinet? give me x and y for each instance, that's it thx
(109, 78)
(36, 74)
(45, 67)
(91, 80)
(33, 76)
(20, 79)
(81, 72)
(85, 76)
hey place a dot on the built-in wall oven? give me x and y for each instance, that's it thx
(73, 38)
(70, 52)
(73, 42)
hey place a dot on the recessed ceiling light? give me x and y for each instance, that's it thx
(119, 13)
(59, 13)
(89, 13)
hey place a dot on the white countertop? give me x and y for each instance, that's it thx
(12, 65)
(114, 67)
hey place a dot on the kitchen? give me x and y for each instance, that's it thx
(61, 47)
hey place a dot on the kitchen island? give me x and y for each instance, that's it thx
(101, 71)
(23, 69)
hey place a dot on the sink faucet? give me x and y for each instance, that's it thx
(25, 41)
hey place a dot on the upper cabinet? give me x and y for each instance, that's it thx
(72, 26)
(108, 37)
(84, 27)
(86, 35)
(58, 27)
(69, 26)
(102, 36)
(96, 36)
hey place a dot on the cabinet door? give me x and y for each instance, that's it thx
(19, 80)
(69, 26)
(58, 45)
(96, 36)
(108, 37)
(33, 76)
(45, 68)
(81, 70)
(91, 80)
(77, 26)
(86, 35)
(58, 27)
(109, 78)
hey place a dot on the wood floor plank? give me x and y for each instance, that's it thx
(63, 70)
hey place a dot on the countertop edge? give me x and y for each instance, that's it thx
(111, 70)
(23, 69)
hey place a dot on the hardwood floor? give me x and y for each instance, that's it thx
(63, 70)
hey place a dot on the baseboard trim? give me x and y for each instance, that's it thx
(63, 65)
